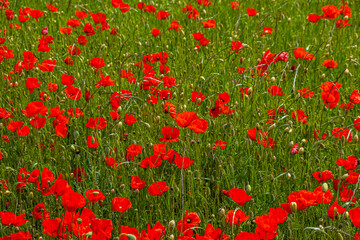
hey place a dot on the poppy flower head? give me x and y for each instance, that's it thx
(170, 134)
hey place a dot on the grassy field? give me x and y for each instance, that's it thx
(179, 120)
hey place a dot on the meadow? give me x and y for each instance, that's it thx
(180, 119)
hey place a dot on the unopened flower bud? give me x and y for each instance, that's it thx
(222, 213)
(79, 220)
(131, 236)
(291, 144)
(122, 186)
(293, 206)
(325, 187)
(171, 225)
(301, 150)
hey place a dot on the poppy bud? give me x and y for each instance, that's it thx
(321, 226)
(171, 225)
(293, 206)
(356, 138)
(347, 214)
(120, 124)
(122, 186)
(7, 192)
(137, 191)
(274, 158)
(71, 175)
(89, 234)
(325, 187)
(79, 220)
(301, 150)
(191, 85)
(273, 79)
(73, 147)
(1, 125)
(112, 191)
(250, 90)
(257, 126)
(286, 130)
(135, 170)
(322, 76)
(222, 213)
(291, 144)
(346, 71)
(345, 176)
(306, 70)
(17, 84)
(171, 237)
(131, 237)
(289, 19)
(31, 195)
(272, 127)
(248, 188)
(288, 176)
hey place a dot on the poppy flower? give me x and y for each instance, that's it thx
(335, 210)
(88, 29)
(18, 127)
(154, 161)
(305, 92)
(235, 5)
(251, 12)
(132, 151)
(346, 106)
(39, 212)
(72, 201)
(94, 195)
(314, 18)
(342, 23)
(156, 32)
(162, 15)
(199, 125)
(330, 12)
(66, 30)
(236, 217)
(266, 30)
(184, 119)
(340, 132)
(10, 218)
(221, 144)
(36, 14)
(210, 23)
(329, 63)
(129, 119)
(300, 116)
(38, 122)
(158, 188)
(175, 25)
(355, 97)
(357, 123)
(275, 91)
(323, 176)
(92, 142)
(183, 162)
(239, 196)
(32, 83)
(47, 65)
(120, 204)
(197, 97)
(355, 216)
(73, 92)
(97, 62)
(137, 183)
(349, 164)
(170, 134)
(299, 52)
(96, 123)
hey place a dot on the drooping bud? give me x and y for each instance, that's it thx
(222, 213)
(293, 206)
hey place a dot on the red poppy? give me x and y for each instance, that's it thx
(236, 46)
(170, 134)
(210, 23)
(66, 30)
(329, 63)
(239, 196)
(335, 210)
(349, 164)
(39, 212)
(137, 183)
(79, 174)
(355, 216)
(175, 25)
(221, 144)
(92, 142)
(330, 12)
(154, 161)
(340, 132)
(96, 123)
(155, 32)
(355, 97)
(251, 12)
(158, 188)
(132, 151)
(183, 162)
(97, 62)
(120, 204)
(47, 65)
(94, 195)
(36, 14)
(184, 119)
(199, 125)
(10, 218)
(73, 92)
(88, 29)
(129, 119)
(72, 201)
(162, 15)
(342, 23)
(300, 116)
(197, 97)
(32, 83)
(299, 52)
(305, 92)
(236, 217)
(323, 176)
(275, 91)
(189, 221)
(314, 18)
